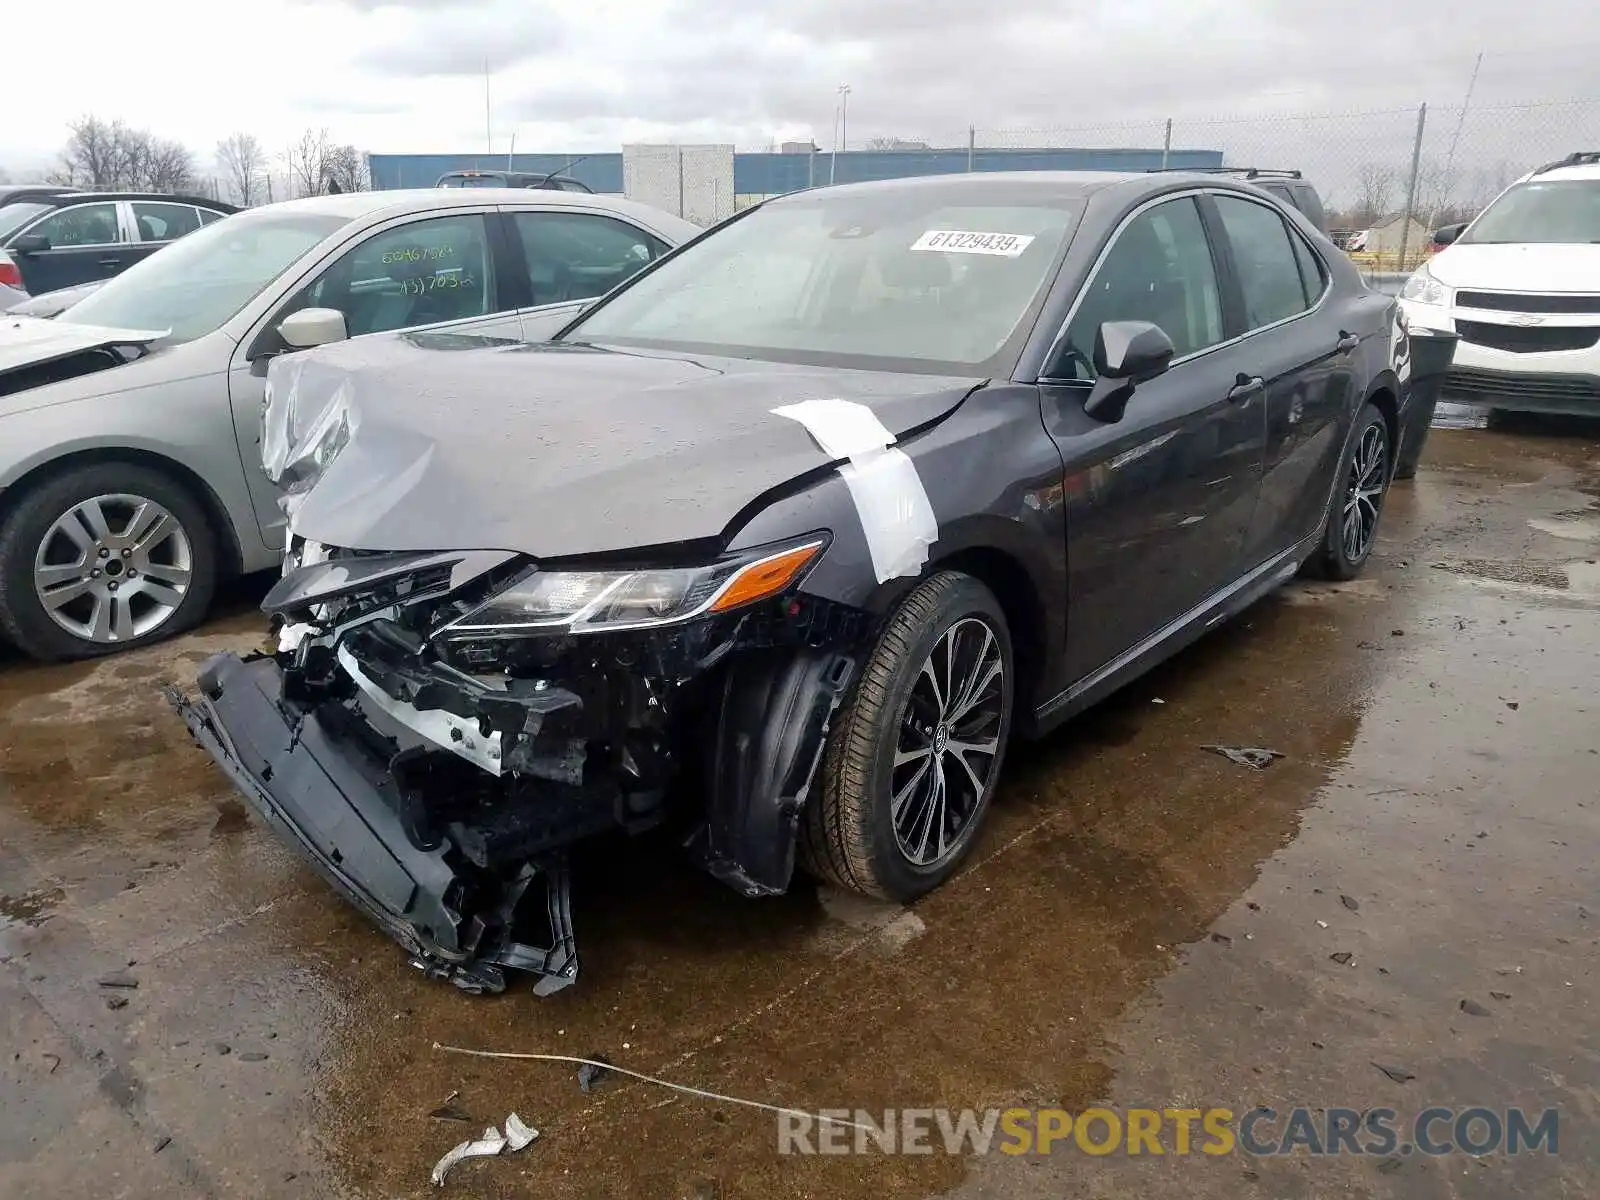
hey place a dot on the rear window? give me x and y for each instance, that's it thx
(473, 181)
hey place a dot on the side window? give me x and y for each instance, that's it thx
(1159, 270)
(208, 215)
(1269, 272)
(163, 222)
(1312, 276)
(1308, 202)
(81, 225)
(573, 256)
(417, 274)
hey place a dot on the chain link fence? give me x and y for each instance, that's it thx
(1387, 177)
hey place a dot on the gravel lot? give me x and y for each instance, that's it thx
(1144, 923)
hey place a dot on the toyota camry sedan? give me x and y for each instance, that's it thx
(781, 543)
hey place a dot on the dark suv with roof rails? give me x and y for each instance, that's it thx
(1287, 185)
(54, 238)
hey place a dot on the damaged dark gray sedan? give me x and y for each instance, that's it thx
(782, 541)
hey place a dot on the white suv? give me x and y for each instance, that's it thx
(1520, 285)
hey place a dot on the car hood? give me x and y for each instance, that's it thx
(30, 341)
(50, 304)
(441, 443)
(1519, 267)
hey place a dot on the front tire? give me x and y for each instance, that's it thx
(1352, 524)
(101, 558)
(913, 759)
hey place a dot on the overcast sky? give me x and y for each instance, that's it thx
(409, 76)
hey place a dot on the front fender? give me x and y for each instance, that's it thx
(776, 708)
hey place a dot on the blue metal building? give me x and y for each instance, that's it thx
(765, 174)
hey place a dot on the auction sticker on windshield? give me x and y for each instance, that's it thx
(963, 241)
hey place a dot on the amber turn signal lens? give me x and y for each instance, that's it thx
(765, 577)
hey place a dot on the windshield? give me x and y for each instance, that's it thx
(201, 280)
(14, 216)
(905, 278)
(1566, 210)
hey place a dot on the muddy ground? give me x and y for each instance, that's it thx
(1144, 924)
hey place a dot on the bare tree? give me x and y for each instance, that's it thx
(345, 170)
(242, 161)
(111, 155)
(1486, 183)
(1375, 188)
(5, 175)
(95, 156)
(307, 163)
(162, 165)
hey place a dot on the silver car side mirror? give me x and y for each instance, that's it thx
(313, 327)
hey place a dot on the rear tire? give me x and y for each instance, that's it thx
(1363, 482)
(101, 558)
(913, 758)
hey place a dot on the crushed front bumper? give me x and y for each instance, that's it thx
(336, 803)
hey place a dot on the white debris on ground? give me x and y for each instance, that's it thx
(517, 1136)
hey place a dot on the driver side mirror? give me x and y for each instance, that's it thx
(31, 243)
(313, 327)
(1443, 237)
(1126, 354)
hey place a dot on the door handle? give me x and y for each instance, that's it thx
(1347, 342)
(110, 262)
(1246, 386)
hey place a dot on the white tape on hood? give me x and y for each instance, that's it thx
(890, 501)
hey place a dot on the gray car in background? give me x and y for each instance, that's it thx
(130, 478)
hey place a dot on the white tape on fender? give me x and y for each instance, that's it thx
(890, 501)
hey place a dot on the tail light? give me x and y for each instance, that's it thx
(10, 273)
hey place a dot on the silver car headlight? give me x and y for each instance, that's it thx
(599, 601)
(1423, 288)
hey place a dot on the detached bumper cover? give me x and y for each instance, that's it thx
(335, 805)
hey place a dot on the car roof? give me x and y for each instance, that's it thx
(1584, 171)
(1024, 185)
(354, 205)
(14, 193)
(379, 206)
(75, 197)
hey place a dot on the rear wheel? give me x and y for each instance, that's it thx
(101, 558)
(1352, 525)
(913, 760)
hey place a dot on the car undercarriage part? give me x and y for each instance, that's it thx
(437, 773)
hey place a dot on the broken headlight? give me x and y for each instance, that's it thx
(599, 601)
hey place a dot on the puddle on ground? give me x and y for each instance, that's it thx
(1460, 416)
(1584, 576)
(31, 908)
(1508, 571)
(1577, 531)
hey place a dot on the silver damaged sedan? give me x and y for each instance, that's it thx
(130, 477)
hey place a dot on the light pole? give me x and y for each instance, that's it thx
(841, 130)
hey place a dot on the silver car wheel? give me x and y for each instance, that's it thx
(113, 568)
(949, 743)
(1369, 475)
